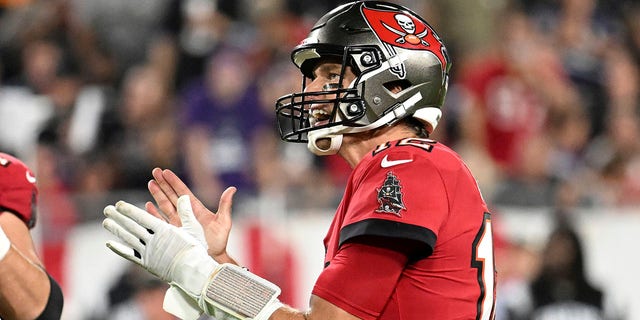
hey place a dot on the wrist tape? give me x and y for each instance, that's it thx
(5, 244)
(238, 292)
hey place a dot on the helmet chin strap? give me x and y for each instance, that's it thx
(334, 146)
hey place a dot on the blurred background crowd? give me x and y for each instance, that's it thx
(543, 105)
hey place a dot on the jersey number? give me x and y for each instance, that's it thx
(425, 144)
(483, 261)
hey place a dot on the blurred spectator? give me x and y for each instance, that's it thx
(56, 21)
(192, 31)
(562, 289)
(149, 137)
(532, 185)
(465, 24)
(222, 123)
(275, 30)
(581, 31)
(125, 30)
(623, 80)
(513, 96)
(517, 265)
(136, 295)
(551, 286)
(504, 109)
(631, 20)
(615, 156)
(24, 105)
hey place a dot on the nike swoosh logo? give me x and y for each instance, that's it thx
(386, 163)
(30, 178)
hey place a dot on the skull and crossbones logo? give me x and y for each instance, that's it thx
(407, 34)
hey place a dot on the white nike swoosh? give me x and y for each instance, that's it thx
(386, 163)
(30, 178)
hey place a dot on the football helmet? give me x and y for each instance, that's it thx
(386, 45)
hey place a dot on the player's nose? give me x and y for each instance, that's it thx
(316, 85)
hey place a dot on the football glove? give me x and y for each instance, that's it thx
(179, 256)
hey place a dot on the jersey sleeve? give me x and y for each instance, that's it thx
(18, 191)
(361, 279)
(401, 195)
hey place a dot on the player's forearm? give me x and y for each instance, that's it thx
(24, 287)
(288, 313)
(320, 309)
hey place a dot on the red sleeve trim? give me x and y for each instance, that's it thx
(361, 279)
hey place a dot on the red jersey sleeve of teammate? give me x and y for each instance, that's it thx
(18, 191)
(398, 192)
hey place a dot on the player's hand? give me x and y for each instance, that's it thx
(166, 187)
(174, 254)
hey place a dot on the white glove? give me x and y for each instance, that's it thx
(189, 222)
(176, 301)
(179, 257)
(5, 244)
(172, 254)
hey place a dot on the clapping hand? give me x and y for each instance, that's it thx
(166, 187)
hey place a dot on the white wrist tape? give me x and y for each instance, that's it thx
(240, 293)
(5, 244)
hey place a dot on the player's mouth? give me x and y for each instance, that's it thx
(320, 115)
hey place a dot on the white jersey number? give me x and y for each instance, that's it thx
(483, 261)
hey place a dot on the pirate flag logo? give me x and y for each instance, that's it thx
(397, 29)
(390, 196)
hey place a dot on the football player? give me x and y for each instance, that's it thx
(412, 236)
(27, 291)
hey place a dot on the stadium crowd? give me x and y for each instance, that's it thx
(543, 101)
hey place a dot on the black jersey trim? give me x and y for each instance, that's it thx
(424, 238)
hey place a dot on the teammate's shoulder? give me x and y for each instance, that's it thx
(17, 188)
(14, 172)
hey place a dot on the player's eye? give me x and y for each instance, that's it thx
(330, 86)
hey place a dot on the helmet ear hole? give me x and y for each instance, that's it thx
(397, 86)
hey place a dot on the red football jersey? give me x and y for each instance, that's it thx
(513, 112)
(420, 190)
(18, 191)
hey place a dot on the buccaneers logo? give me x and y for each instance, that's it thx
(390, 196)
(408, 32)
(401, 29)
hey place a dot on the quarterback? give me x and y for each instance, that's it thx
(412, 236)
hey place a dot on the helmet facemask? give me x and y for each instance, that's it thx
(345, 103)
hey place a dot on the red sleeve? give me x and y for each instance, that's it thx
(405, 201)
(361, 278)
